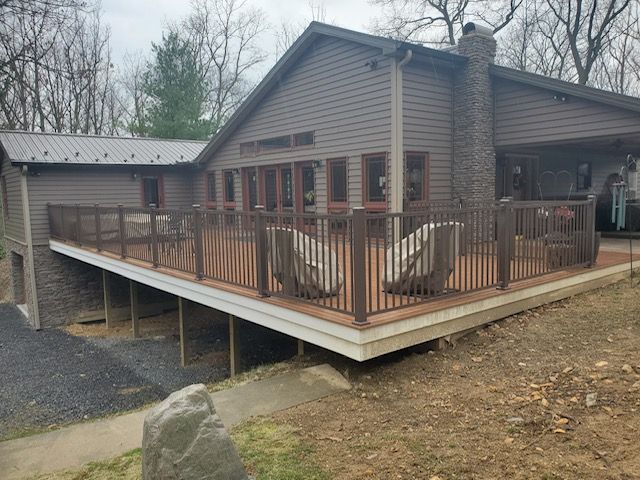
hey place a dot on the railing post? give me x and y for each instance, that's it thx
(505, 220)
(198, 242)
(154, 236)
(122, 231)
(98, 228)
(261, 251)
(78, 227)
(358, 248)
(592, 229)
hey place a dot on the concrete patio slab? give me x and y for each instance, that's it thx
(74, 446)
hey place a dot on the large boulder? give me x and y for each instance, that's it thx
(183, 438)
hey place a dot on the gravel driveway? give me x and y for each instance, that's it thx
(51, 377)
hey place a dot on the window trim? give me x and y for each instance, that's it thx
(292, 144)
(160, 179)
(584, 189)
(379, 206)
(207, 199)
(228, 205)
(331, 205)
(5, 197)
(425, 176)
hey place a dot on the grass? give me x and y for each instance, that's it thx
(269, 451)
(125, 467)
(275, 452)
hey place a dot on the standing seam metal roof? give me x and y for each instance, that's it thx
(77, 149)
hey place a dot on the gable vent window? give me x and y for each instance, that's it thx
(303, 139)
(275, 143)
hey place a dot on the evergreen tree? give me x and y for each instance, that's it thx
(174, 84)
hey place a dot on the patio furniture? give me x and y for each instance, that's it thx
(303, 265)
(423, 261)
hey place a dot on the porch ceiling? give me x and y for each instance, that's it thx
(611, 144)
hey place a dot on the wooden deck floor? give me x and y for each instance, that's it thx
(474, 278)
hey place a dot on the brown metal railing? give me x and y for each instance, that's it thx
(359, 264)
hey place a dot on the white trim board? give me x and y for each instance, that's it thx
(358, 344)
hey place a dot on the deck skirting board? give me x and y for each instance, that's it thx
(356, 343)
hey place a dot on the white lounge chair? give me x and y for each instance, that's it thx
(303, 265)
(423, 261)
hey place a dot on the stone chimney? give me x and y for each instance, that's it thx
(474, 162)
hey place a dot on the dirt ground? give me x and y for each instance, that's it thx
(509, 401)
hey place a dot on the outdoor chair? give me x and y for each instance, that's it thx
(304, 266)
(422, 262)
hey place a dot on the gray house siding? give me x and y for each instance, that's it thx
(428, 121)
(104, 186)
(14, 223)
(528, 115)
(332, 91)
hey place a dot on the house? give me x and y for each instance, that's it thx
(345, 133)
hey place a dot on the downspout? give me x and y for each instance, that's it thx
(26, 213)
(397, 134)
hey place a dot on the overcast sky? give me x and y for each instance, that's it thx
(136, 23)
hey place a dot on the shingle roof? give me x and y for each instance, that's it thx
(59, 148)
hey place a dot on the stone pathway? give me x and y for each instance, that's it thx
(74, 446)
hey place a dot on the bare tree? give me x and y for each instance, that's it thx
(439, 22)
(136, 100)
(588, 27)
(288, 31)
(225, 34)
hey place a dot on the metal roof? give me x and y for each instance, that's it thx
(77, 149)
(388, 46)
(581, 91)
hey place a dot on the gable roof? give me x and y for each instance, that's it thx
(581, 91)
(77, 149)
(314, 30)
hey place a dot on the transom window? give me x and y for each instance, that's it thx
(338, 181)
(416, 176)
(375, 175)
(584, 175)
(211, 187)
(274, 144)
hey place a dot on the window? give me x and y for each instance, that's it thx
(5, 197)
(247, 149)
(584, 176)
(275, 143)
(303, 139)
(375, 178)
(211, 188)
(152, 192)
(338, 182)
(416, 177)
(229, 188)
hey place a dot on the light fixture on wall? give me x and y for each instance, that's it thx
(560, 97)
(134, 176)
(316, 163)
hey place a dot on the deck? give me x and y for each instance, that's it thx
(484, 263)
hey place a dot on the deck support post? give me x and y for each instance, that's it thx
(183, 307)
(359, 288)
(505, 230)
(300, 348)
(108, 308)
(592, 229)
(135, 310)
(234, 346)
(261, 251)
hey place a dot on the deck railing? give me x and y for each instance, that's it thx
(359, 264)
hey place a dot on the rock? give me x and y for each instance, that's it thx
(602, 363)
(183, 438)
(515, 420)
(591, 399)
(626, 368)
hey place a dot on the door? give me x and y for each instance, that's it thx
(305, 186)
(520, 177)
(152, 192)
(277, 188)
(250, 189)
(271, 189)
